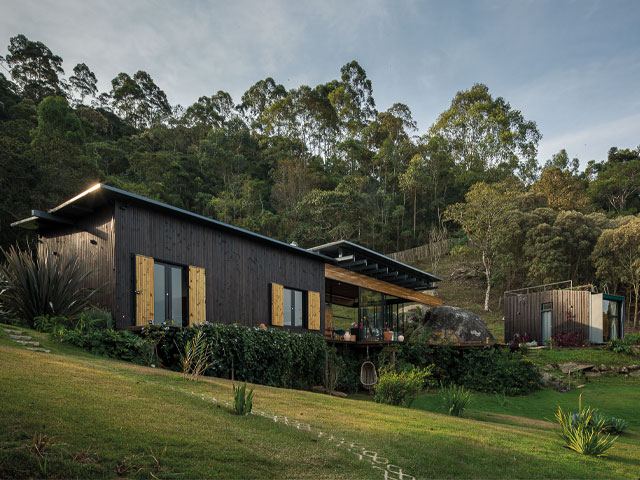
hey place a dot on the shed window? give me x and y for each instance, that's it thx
(293, 308)
(547, 319)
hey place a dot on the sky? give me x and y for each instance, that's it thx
(573, 67)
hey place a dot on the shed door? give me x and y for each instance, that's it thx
(547, 312)
(277, 304)
(144, 290)
(197, 295)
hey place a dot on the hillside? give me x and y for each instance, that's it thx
(102, 418)
(463, 285)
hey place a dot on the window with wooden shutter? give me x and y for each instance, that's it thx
(314, 310)
(197, 295)
(277, 305)
(144, 290)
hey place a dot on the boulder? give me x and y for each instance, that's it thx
(466, 326)
(573, 367)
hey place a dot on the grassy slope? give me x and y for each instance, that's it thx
(467, 293)
(118, 409)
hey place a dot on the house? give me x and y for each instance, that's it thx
(156, 263)
(549, 310)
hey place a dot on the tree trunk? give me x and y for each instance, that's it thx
(487, 272)
(415, 201)
(636, 287)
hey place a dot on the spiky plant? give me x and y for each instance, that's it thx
(42, 284)
(455, 399)
(582, 432)
(242, 401)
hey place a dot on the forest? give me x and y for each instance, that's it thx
(320, 163)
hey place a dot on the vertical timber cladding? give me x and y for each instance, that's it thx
(239, 270)
(197, 295)
(92, 241)
(144, 290)
(570, 313)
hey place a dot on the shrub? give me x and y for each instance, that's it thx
(518, 340)
(397, 388)
(270, 357)
(33, 285)
(582, 432)
(49, 324)
(95, 318)
(619, 345)
(568, 339)
(120, 344)
(455, 399)
(497, 370)
(242, 401)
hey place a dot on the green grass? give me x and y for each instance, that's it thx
(119, 410)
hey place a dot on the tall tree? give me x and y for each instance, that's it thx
(617, 183)
(83, 82)
(483, 217)
(413, 181)
(564, 191)
(618, 250)
(34, 68)
(487, 133)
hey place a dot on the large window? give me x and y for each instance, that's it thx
(293, 308)
(170, 294)
(610, 320)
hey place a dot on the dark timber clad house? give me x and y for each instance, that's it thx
(155, 263)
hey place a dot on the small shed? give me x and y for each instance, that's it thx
(546, 311)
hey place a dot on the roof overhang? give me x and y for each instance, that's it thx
(100, 195)
(357, 259)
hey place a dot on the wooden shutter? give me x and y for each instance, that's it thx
(144, 290)
(277, 305)
(313, 303)
(197, 295)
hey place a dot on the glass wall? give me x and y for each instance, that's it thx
(170, 295)
(372, 314)
(610, 320)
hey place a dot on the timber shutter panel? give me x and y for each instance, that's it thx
(197, 295)
(313, 304)
(144, 290)
(277, 305)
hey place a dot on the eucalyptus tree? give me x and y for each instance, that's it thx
(255, 101)
(483, 217)
(486, 133)
(83, 82)
(617, 182)
(34, 68)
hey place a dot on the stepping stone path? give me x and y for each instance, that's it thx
(26, 341)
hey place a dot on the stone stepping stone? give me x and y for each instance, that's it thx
(14, 332)
(20, 337)
(37, 349)
(25, 343)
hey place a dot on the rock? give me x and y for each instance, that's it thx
(603, 368)
(19, 337)
(14, 332)
(548, 380)
(573, 367)
(466, 326)
(635, 373)
(25, 343)
(36, 349)
(592, 373)
(548, 368)
(633, 368)
(624, 370)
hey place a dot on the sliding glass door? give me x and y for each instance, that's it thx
(170, 294)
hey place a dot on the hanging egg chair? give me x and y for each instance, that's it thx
(368, 375)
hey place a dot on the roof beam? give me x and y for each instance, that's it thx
(359, 280)
(346, 258)
(51, 217)
(355, 263)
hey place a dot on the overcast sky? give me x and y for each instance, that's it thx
(571, 66)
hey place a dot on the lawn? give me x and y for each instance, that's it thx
(595, 356)
(102, 413)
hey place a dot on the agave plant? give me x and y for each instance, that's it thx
(455, 399)
(242, 401)
(583, 432)
(41, 284)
